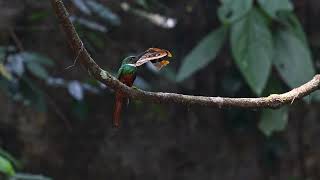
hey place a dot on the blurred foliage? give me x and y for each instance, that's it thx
(205, 52)
(272, 7)
(292, 59)
(104, 13)
(21, 71)
(263, 34)
(18, 68)
(9, 167)
(94, 8)
(6, 167)
(231, 10)
(273, 120)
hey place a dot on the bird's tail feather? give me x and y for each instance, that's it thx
(117, 110)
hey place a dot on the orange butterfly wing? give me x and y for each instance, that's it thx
(153, 54)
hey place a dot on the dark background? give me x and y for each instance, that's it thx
(74, 139)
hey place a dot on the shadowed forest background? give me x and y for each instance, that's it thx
(56, 120)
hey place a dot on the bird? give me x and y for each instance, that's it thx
(128, 71)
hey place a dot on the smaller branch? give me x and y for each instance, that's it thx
(272, 101)
(75, 60)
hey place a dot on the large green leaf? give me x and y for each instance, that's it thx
(292, 24)
(273, 120)
(6, 167)
(272, 7)
(202, 54)
(252, 49)
(232, 10)
(292, 59)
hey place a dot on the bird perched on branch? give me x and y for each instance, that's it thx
(128, 71)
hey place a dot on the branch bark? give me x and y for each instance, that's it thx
(272, 101)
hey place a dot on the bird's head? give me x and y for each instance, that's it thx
(130, 60)
(158, 57)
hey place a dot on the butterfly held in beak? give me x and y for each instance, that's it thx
(158, 57)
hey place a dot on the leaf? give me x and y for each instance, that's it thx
(252, 49)
(81, 5)
(156, 19)
(232, 10)
(142, 3)
(75, 90)
(292, 24)
(272, 7)
(36, 58)
(15, 65)
(4, 72)
(37, 70)
(292, 59)
(104, 12)
(9, 157)
(273, 120)
(89, 23)
(6, 167)
(202, 54)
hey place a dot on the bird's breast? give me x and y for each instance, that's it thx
(127, 79)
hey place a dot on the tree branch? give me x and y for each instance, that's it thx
(272, 101)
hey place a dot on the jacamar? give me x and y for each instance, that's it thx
(128, 71)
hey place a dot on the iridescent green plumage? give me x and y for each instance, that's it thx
(127, 66)
(127, 75)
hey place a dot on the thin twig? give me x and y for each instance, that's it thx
(75, 60)
(59, 113)
(16, 39)
(272, 101)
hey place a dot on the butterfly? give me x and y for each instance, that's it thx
(158, 57)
